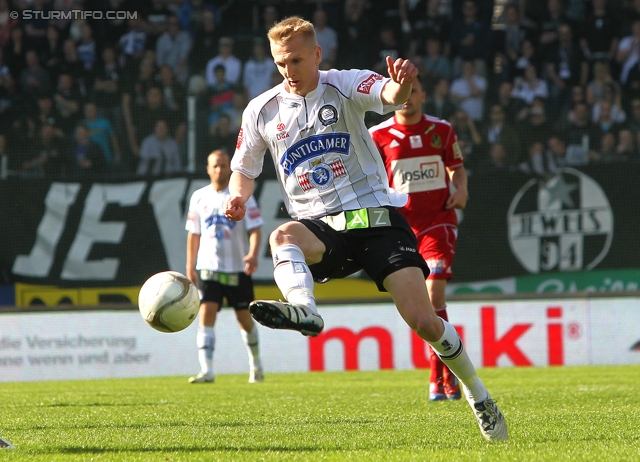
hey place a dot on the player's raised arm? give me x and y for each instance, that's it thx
(240, 190)
(402, 72)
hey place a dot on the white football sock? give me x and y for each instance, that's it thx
(206, 341)
(253, 346)
(293, 276)
(453, 354)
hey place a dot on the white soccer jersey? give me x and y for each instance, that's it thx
(223, 243)
(325, 159)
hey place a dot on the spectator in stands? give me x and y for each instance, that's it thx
(354, 36)
(205, 43)
(469, 90)
(434, 65)
(47, 115)
(469, 39)
(496, 162)
(221, 134)
(132, 46)
(528, 56)
(48, 155)
(173, 48)
(102, 133)
(238, 105)
(613, 97)
(68, 102)
(114, 25)
(537, 160)
(505, 99)
(567, 66)
(88, 160)
(606, 122)
(439, 102)
(627, 148)
(600, 32)
(35, 27)
(498, 130)
(422, 21)
(469, 138)
(225, 58)
(549, 33)
(173, 93)
(628, 53)
(258, 70)
(51, 56)
(385, 44)
(530, 86)
(596, 86)
(71, 64)
(12, 101)
(633, 121)
(145, 118)
(220, 95)
(508, 41)
(192, 15)
(33, 78)
(327, 39)
(159, 152)
(107, 90)
(580, 136)
(156, 19)
(16, 50)
(87, 49)
(536, 128)
(270, 15)
(6, 23)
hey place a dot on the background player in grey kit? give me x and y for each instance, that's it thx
(345, 216)
(221, 256)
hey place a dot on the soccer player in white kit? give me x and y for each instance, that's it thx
(337, 192)
(221, 256)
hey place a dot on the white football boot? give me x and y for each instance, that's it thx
(202, 378)
(490, 420)
(256, 375)
(278, 314)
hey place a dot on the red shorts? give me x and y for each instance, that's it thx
(438, 247)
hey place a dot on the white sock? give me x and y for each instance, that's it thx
(293, 276)
(453, 354)
(206, 340)
(253, 348)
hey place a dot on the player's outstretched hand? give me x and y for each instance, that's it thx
(235, 209)
(402, 71)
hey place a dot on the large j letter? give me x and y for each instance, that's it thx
(38, 263)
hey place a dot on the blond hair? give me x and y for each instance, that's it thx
(285, 30)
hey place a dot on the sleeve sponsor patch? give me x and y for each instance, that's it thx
(457, 152)
(239, 142)
(365, 85)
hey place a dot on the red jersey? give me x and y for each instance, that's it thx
(416, 157)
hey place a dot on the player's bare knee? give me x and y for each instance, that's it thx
(282, 235)
(428, 328)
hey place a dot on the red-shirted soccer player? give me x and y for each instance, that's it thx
(422, 157)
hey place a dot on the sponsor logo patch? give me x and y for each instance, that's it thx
(314, 146)
(239, 142)
(365, 85)
(321, 176)
(436, 141)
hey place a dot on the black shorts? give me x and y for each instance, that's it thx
(378, 250)
(238, 296)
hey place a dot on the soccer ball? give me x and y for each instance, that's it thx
(168, 301)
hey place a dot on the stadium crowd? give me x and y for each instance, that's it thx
(528, 85)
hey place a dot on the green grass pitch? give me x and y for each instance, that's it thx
(554, 414)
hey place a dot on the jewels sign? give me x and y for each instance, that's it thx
(561, 224)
